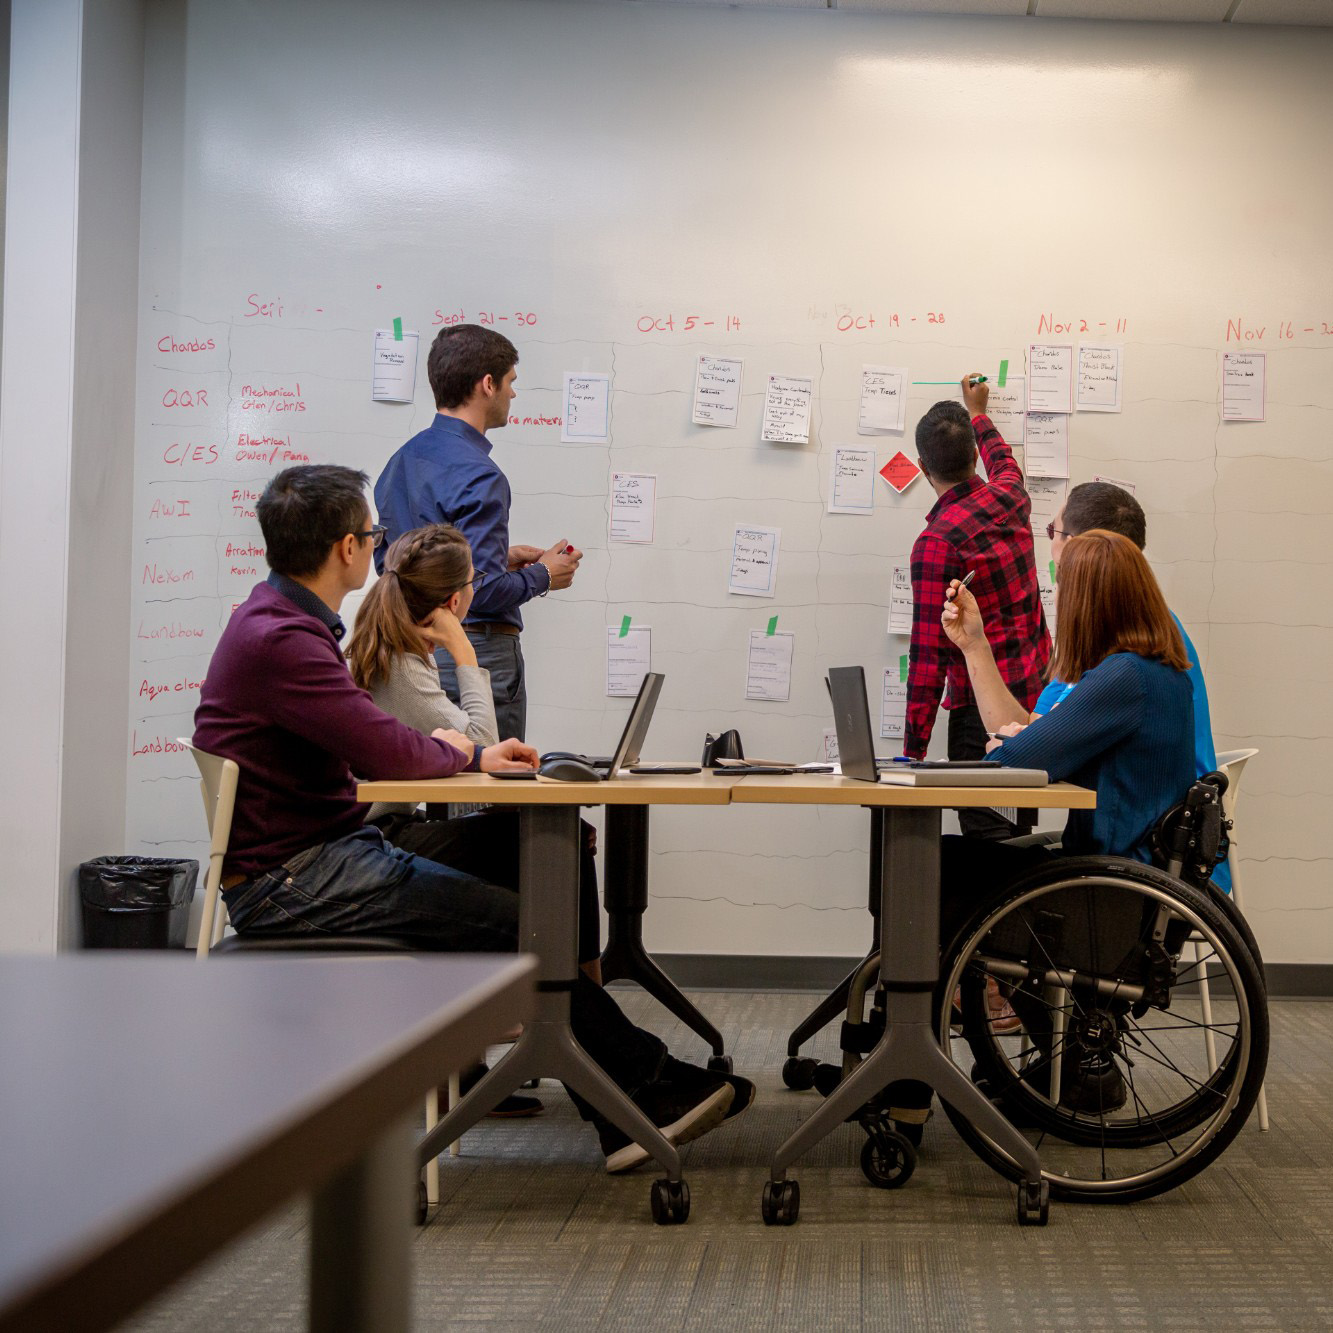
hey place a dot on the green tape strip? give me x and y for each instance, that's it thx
(624, 626)
(902, 667)
(772, 625)
(1053, 576)
(1004, 373)
(398, 330)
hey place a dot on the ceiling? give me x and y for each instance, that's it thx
(1311, 13)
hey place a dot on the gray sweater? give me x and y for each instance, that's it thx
(413, 695)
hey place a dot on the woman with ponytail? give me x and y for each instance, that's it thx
(416, 606)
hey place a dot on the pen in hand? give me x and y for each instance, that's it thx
(967, 578)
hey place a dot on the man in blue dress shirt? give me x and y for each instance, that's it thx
(446, 474)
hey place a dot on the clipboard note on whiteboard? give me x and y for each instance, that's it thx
(394, 375)
(787, 409)
(852, 482)
(1244, 396)
(883, 399)
(754, 562)
(587, 415)
(717, 391)
(633, 506)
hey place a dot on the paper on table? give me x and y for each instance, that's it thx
(587, 415)
(851, 488)
(1007, 408)
(1050, 377)
(717, 391)
(754, 561)
(633, 506)
(1048, 445)
(629, 658)
(1099, 377)
(900, 600)
(768, 668)
(787, 409)
(1115, 481)
(394, 375)
(893, 707)
(883, 399)
(1048, 499)
(1243, 386)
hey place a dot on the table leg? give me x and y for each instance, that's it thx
(909, 969)
(625, 895)
(360, 1256)
(548, 927)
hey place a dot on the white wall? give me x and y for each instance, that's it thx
(593, 164)
(66, 431)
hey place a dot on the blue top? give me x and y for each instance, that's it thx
(446, 475)
(1127, 731)
(1205, 756)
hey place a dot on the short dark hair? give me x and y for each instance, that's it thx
(462, 355)
(305, 510)
(1101, 504)
(946, 442)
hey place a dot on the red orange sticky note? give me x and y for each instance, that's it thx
(900, 472)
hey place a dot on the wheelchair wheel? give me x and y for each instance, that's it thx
(1109, 1076)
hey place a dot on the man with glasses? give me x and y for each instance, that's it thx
(980, 528)
(446, 474)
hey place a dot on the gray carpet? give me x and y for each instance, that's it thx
(532, 1233)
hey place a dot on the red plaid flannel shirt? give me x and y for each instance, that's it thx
(981, 525)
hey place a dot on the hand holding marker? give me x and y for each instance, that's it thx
(953, 592)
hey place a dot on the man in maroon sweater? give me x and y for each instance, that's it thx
(279, 700)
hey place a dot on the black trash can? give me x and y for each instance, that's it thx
(136, 902)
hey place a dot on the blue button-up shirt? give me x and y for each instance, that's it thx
(446, 475)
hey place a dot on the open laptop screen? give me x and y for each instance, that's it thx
(851, 717)
(636, 725)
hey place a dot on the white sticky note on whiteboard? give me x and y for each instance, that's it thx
(717, 391)
(1099, 377)
(754, 561)
(633, 506)
(1244, 384)
(394, 373)
(1050, 377)
(883, 399)
(900, 600)
(893, 707)
(787, 404)
(768, 666)
(629, 658)
(1047, 495)
(851, 487)
(1007, 409)
(1047, 445)
(586, 417)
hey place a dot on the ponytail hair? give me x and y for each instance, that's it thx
(422, 571)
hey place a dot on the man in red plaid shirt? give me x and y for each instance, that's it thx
(982, 526)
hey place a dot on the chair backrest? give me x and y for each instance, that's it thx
(217, 784)
(1232, 763)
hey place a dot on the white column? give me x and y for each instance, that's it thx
(66, 450)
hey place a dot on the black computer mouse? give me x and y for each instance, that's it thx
(569, 770)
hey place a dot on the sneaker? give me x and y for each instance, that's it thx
(681, 1113)
(514, 1107)
(1090, 1084)
(692, 1076)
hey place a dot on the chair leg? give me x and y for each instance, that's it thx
(433, 1166)
(456, 1147)
(1233, 864)
(1206, 1004)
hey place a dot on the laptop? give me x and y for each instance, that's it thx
(856, 748)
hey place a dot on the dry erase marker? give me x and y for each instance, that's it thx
(977, 379)
(967, 578)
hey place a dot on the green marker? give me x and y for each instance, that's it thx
(977, 379)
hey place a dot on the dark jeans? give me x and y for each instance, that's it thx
(502, 656)
(363, 885)
(967, 740)
(486, 845)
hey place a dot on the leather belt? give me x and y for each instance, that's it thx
(489, 627)
(231, 881)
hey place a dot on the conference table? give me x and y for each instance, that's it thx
(154, 1107)
(906, 822)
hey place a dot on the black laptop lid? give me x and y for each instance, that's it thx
(636, 725)
(851, 718)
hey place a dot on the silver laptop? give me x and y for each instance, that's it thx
(631, 738)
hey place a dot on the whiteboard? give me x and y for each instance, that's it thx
(581, 174)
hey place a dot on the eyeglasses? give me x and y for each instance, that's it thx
(375, 532)
(477, 579)
(1051, 530)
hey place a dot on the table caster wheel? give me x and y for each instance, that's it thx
(799, 1073)
(670, 1202)
(888, 1159)
(720, 1064)
(1034, 1203)
(782, 1202)
(423, 1203)
(827, 1077)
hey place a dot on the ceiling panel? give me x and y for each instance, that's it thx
(1168, 11)
(1313, 12)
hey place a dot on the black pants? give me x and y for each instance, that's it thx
(967, 740)
(486, 845)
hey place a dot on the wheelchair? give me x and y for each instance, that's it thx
(1126, 1079)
